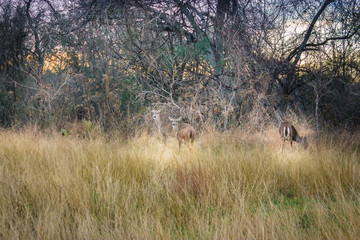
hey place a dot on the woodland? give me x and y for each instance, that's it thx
(82, 83)
(225, 63)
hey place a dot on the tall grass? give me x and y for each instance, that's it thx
(231, 186)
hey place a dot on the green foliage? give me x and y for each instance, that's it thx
(305, 222)
(193, 51)
(181, 51)
(65, 132)
(202, 47)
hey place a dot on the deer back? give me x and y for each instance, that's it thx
(186, 132)
(287, 131)
(184, 125)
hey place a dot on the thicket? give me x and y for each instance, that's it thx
(224, 63)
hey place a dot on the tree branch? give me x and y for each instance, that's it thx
(306, 48)
(300, 49)
(170, 25)
(190, 17)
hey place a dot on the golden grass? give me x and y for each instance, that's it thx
(232, 186)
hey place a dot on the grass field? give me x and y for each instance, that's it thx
(231, 186)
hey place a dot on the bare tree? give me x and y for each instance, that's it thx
(319, 84)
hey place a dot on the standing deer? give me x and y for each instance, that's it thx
(166, 129)
(288, 133)
(183, 131)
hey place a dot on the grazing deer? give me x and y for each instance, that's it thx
(184, 132)
(288, 133)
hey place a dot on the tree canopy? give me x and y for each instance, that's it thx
(225, 63)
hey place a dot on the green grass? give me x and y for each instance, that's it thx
(231, 186)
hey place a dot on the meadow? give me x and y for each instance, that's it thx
(234, 185)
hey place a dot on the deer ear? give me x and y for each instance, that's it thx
(171, 119)
(178, 119)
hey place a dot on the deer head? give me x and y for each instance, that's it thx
(156, 117)
(174, 122)
(302, 140)
(156, 114)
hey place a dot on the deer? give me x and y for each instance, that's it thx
(165, 130)
(289, 133)
(183, 131)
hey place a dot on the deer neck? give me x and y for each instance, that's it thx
(158, 124)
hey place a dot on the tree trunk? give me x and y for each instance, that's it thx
(317, 99)
(219, 24)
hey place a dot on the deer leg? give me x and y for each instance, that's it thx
(282, 146)
(192, 139)
(188, 145)
(180, 141)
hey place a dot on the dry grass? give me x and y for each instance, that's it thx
(232, 186)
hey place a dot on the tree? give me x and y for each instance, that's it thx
(12, 57)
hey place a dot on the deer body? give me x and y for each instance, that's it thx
(185, 133)
(289, 133)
